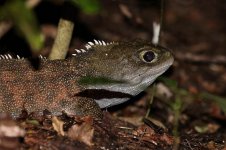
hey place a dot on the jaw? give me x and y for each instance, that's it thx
(136, 85)
(105, 103)
(132, 89)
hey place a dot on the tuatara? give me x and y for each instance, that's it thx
(104, 74)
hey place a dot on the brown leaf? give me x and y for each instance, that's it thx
(82, 132)
(146, 133)
(166, 138)
(9, 128)
(58, 125)
(10, 132)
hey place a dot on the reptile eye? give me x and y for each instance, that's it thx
(148, 56)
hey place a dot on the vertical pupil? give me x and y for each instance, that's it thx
(149, 56)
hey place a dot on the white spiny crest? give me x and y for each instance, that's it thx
(89, 45)
(77, 50)
(18, 57)
(10, 57)
(97, 42)
(103, 43)
(83, 50)
(42, 57)
(6, 56)
(2, 57)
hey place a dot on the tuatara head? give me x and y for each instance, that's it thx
(127, 67)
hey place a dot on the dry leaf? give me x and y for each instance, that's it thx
(58, 125)
(10, 132)
(9, 128)
(166, 138)
(145, 133)
(82, 132)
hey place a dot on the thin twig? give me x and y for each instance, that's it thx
(62, 41)
(189, 145)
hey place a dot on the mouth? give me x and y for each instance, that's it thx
(105, 98)
(98, 94)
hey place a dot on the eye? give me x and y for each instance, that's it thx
(148, 56)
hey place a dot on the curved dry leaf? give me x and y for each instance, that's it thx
(58, 125)
(82, 132)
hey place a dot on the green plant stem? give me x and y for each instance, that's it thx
(151, 93)
(177, 106)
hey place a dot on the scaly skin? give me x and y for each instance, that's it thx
(52, 87)
(56, 86)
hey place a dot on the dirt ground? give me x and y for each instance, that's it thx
(194, 31)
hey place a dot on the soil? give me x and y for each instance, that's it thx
(196, 34)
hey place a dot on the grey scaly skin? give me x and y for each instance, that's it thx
(126, 67)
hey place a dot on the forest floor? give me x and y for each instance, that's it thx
(187, 111)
